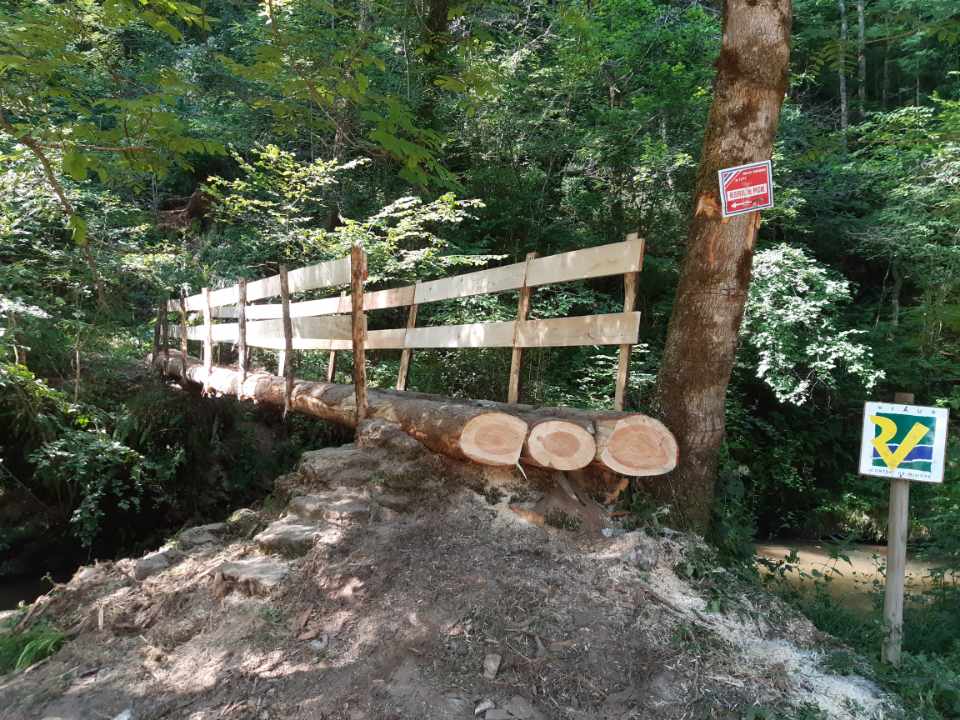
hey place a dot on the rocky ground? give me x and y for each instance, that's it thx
(387, 584)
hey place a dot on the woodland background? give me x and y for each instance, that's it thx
(158, 145)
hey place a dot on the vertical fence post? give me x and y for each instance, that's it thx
(286, 358)
(164, 331)
(630, 282)
(358, 275)
(207, 341)
(897, 526)
(332, 360)
(184, 342)
(516, 361)
(407, 354)
(156, 336)
(242, 331)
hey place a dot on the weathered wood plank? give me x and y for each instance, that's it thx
(287, 355)
(472, 335)
(332, 273)
(614, 259)
(242, 328)
(482, 282)
(610, 329)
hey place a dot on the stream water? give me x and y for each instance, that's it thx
(19, 588)
(852, 581)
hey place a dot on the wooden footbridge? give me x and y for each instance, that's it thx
(481, 431)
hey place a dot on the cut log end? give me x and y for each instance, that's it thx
(493, 438)
(638, 446)
(560, 445)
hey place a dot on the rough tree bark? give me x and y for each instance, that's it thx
(752, 74)
(842, 71)
(861, 58)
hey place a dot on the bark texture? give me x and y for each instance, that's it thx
(752, 74)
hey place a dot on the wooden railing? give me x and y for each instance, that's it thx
(328, 323)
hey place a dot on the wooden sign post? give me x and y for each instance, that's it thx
(902, 442)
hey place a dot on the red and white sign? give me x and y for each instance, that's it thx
(746, 188)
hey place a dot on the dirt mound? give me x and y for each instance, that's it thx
(378, 594)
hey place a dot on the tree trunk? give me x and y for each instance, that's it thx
(752, 74)
(895, 293)
(861, 58)
(842, 72)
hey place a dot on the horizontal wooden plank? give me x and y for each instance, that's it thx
(473, 335)
(385, 339)
(225, 296)
(613, 259)
(264, 288)
(308, 333)
(508, 277)
(611, 329)
(383, 299)
(332, 273)
(222, 332)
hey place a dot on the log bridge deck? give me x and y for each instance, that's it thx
(481, 431)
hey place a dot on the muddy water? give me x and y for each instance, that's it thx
(852, 582)
(13, 590)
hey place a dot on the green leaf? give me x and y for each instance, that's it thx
(75, 165)
(78, 226)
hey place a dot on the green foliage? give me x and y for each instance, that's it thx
(790, 323)
(20, 650)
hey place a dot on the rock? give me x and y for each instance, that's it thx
(244, 523)
(520, 707)
(201, 535)
(612, 532)
(457, 704)
(152, 563)
(291, 538)
(491, 664)
(320, 645)
(125, 715)
(483, 706)
(498, 715)
(400, 502)
(337, 505)
(256, 576)
(645, 554)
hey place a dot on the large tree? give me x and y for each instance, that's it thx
(752, 73)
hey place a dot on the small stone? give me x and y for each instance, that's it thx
(256, 575)
(483, 706)
(151, 564)
(491, 664)
(520, 707)
(244, 522)
(320, 645)
(498, 715)
(125, 715)
(201, 535)
(292, 538)
(612, 532)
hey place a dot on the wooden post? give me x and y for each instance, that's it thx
(242, 320)
(207, 340)
(516, 361)
(184, 347)
(156, 334)
(286, 357)
(332, 360)
(630, 282)
(358, 275)
(164, 331)
(407, 353)
(897, 527)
